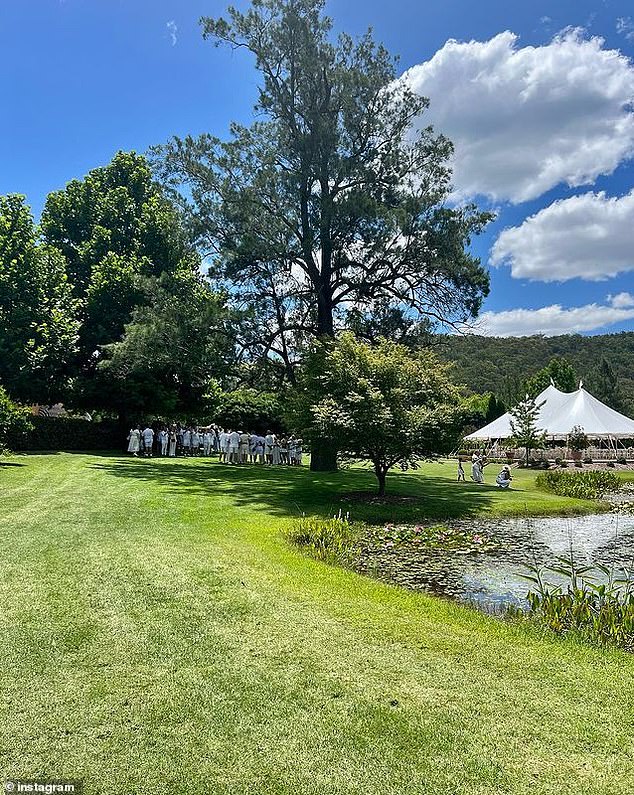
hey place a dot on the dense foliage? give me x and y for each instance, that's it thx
(15, 423)
(247, 409)
(582, 485)
(502, 364)
(38, 323)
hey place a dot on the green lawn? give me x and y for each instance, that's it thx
(158, 635)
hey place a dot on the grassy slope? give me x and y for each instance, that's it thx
(157, 632)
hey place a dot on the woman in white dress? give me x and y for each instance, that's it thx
(477, 465)
(277, 457)
(134, 441)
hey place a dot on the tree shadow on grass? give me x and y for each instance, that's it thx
(290, 491)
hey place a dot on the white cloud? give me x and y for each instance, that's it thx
(621, 300)
(172, 29)
(587, 237)
(551, 320)
(625, 27)
(524, 119)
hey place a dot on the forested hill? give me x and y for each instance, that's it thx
(502, 364)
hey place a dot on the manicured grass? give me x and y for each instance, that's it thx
(158, 635)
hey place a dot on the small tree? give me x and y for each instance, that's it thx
(577, 439)
(382, 403)
(524, 428)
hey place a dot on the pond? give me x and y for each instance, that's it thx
(491, 579)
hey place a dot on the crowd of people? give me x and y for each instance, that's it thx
(478, 462)
(231, 446)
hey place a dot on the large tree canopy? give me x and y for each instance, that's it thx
(152, 332)
(38, 326)
(329, 202)
(115, 228)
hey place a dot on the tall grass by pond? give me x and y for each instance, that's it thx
(599, 612)
(329, 539)
(581, 485)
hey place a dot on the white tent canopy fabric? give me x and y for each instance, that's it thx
(560, 413)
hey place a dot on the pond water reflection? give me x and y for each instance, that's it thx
(492, 579)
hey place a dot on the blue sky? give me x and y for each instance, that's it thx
(82, 79)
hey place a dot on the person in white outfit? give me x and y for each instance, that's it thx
(164, 440)
(234, 447)
(148, 441)
(223, 441)
(269, 441)
(207, 442)
(187, 442)
(134, 441)
(195, 440)
(173, 437)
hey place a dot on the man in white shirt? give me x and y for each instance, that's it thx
(269, 441)
(163, 439)
(207, 442)
(253, 444)
(234, 447)
(148, 441)
(223, 441)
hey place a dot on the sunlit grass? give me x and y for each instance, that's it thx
(158, 633)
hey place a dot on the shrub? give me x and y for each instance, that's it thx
(587, 460)
(325, 539)
(14, 422)
(563, 464)
(611, 464)
(68, 433)
(621, 460)
(582, 485)
(558, 461)
(578, 464)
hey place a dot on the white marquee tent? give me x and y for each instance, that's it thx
(560, 412)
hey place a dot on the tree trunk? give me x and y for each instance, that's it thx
(381, 474)
(323, 456)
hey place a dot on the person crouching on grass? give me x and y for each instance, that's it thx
(503, 480)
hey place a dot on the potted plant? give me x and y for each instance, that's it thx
(577, 442)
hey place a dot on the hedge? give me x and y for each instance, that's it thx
(67, 433)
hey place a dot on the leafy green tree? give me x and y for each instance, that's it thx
(172, 353)
(38, 324)
(559, 371)
(524, 418)
(606, 385)
(382, 403)
(334, 197)
(115, 229)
